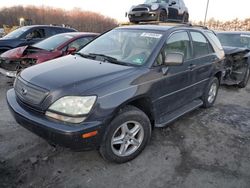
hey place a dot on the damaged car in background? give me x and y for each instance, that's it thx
(237, 57)
(28, 35)
(15, 60)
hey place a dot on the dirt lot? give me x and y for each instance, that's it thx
(206, 148)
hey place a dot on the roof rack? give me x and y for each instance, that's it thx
(169, 23)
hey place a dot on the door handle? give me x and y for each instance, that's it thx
(192, 66)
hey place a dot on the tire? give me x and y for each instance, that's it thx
(163, 16)
(185, 18)
(244, 82)
(210, 93)
(131, 130)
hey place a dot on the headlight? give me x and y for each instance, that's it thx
(71, 108)
(154, 7)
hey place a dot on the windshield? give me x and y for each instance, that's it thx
(235, 40)
(53, 42)
(156, 1)
(129, 46)
(16, 33)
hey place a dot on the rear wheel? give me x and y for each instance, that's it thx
(185, 18)
(127, 135)
(211, 92)
(245, 80)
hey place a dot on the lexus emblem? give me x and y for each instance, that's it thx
(24, 91)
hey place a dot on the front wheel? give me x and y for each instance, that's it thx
(127, 135)
(163, 16)
(210, 93)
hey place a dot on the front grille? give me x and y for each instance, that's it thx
(140, 9)
(28, 93)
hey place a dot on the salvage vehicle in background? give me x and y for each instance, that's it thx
(114, 91)
(237, 51)
(17, 59)
(159, 10)
(29, 35)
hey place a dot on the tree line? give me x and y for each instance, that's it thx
(233, 25)
(75, 18)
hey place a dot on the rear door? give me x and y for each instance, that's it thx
(201, 66)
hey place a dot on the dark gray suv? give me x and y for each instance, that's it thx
(159, 10)
(111, 95)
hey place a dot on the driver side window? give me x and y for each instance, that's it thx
(177, 42)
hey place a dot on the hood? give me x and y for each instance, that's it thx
(30, 52)
(14, 53)
(147, 5)
(233, 50)
(75, 73)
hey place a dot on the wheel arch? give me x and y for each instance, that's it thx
(219, 76)
(143, 103)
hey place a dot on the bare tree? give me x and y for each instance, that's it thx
(76, 18)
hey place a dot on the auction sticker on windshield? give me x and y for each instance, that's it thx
(151, 35)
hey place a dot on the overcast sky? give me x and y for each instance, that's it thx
(219, 9)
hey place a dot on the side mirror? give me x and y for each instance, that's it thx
(126, 14)
(71, 50)
(174, 59)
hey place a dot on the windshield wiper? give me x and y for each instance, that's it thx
(111, 59)
(88, 56)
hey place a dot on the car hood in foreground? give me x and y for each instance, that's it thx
(73, 73)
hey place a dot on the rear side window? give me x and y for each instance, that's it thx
(200, 45)
(215, 39)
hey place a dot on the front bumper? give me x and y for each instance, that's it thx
(55, 132)
(140, 16)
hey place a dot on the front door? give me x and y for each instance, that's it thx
(173, 89)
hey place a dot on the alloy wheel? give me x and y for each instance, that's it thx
(127, 138)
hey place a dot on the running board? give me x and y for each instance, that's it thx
(169, 118)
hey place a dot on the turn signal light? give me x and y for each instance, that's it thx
(90, 134)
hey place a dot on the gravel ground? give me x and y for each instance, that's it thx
(206, 148)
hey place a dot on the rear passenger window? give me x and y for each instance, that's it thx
(200, 45)
(214, 38)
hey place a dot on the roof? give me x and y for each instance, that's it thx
(31, 26)
(147, 27)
